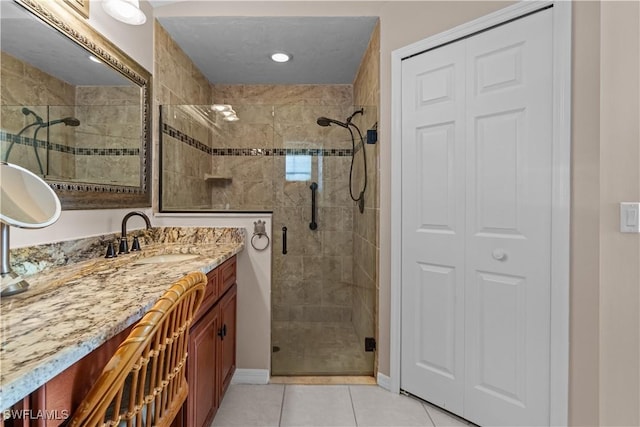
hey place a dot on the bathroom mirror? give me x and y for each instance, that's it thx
(75, 109)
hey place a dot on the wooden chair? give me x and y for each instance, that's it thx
(144, 382)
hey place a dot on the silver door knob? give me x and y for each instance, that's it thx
(499, 254)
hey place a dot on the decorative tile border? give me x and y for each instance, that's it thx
(183, 137)
(78, 151)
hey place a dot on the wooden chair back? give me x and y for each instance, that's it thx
(144, 382)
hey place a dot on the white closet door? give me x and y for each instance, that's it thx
(508, 242)
(476, 206)
(433, 223)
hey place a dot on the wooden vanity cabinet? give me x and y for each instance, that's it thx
(212, 347)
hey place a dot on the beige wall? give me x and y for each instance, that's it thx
(619, 181)
(585, 197)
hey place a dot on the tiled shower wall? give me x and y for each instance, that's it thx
(366, 248)
(23, 85)
(101, 149)
(177, 81)
(110, 119)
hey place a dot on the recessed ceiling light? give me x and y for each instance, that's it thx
(127, 11)
(280, 57)
(94, 59)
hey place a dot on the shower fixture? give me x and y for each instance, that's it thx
(27, 111)
(68, 121)
(324, 122)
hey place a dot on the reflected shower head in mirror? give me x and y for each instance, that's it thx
(68, 121)
(27, 111)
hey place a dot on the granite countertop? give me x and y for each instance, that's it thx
(73, 308)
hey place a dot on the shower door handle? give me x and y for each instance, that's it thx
(284, 240)
(313, 224)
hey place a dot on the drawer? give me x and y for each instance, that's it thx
(227, 275)
(211, 294)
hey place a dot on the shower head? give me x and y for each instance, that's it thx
(27, 111)
(325, 121)
(68, 121)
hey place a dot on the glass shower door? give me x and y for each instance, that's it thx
(315, 303)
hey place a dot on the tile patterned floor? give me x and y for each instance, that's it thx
(318, 348)
(280, 405)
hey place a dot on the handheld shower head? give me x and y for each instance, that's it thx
(27, 111)
(325, 121)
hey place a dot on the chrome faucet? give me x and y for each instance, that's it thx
(124, 246)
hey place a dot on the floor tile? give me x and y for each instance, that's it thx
(317, 405)
(375, 406)
(250, 406)
(442, 418)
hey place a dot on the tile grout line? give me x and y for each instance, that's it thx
(353, 408)
(284, 390)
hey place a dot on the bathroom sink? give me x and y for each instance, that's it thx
(165, 258)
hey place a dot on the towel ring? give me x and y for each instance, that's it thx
(259, 230)
(259, 236)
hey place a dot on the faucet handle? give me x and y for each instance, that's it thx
(135, 246)
(111, 251)
(124, 246)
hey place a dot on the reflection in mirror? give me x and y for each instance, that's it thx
(66, 114)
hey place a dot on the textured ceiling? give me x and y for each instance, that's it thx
(27, 38)
(236, 50)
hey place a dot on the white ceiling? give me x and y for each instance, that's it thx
(236, 50)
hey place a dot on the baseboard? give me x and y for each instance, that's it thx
(384, 381)
(250, 376)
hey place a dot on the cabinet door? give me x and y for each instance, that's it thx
(228, 339)
(202, 375)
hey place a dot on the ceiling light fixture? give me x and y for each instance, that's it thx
(280, 57)
(94, 59)
(127, 11)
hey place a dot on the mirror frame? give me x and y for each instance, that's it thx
(72, 195)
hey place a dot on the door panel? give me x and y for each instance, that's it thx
(507, 300)
(433, 226)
